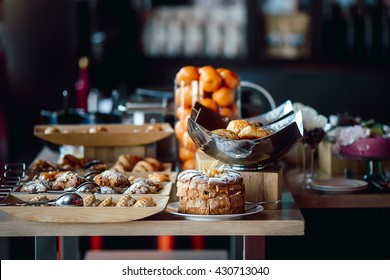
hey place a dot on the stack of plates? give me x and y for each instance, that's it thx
(339, 185)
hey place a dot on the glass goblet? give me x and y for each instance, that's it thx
(310, 140)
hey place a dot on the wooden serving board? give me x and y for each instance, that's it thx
(64, 214)
(116, 134)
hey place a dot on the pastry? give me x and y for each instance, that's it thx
(158, 177)
(252, 132)
(68, 179)
(112, 179)
(126, 201)
(89, 200)
(156, 164)
(35, 186)
(145, 202)
(43, 165)
(143, 186)
(143, 166)
(97, 129)
(226, 133)
(126, 162)
(106, 203)
(237, 125)
(213, 192)
(51, 129)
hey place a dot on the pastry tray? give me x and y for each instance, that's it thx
(165, 190)
(65, 214)
(114, 134)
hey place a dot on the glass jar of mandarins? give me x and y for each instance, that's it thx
(215, 88)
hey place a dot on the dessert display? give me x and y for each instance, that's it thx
(214, 88)
(212, 192)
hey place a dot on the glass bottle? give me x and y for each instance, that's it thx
(83, 84)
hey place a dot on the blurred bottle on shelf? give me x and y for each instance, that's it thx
(83, 84)
(214, 29)
(287, 27)
(385, 28)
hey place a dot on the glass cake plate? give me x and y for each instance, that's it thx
(249, 210)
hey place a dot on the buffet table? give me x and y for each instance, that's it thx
(283, 222)
(307, 198)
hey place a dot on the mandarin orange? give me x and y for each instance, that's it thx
(186, 154)
(209, 78)
(224, 97)
(186, 75)
(226, 112)
(189, 164)
(183, 96)
(182, 112)
(230, 78)
(179, 129)
(187, 142)
(209, 103)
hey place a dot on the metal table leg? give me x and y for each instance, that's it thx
(236, 248)
(45, 248)
(70, 248)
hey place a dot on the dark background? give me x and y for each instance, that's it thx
(42, 41)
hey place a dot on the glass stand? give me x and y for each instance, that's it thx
(374, 175)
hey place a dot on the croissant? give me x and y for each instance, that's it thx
(143, 166)
(112, 179)
(145, 202)
(226, 133)
(126, 201)
(237, 125)
(126, 162)
(252, 132)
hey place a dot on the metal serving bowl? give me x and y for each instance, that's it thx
(250, 154)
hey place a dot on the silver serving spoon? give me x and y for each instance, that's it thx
(67, 199)
(91, 175)
(87, 187)
(253, 205)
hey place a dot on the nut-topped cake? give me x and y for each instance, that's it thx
(212, 192)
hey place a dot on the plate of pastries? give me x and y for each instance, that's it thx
(245, 143)
(103, 135)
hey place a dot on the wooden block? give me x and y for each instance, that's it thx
(264, 185)
(260, 185)
(331, 165)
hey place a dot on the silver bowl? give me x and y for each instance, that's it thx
(211, 120)
(250, 154)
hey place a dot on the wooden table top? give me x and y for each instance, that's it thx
(306, 198)
(285, 221)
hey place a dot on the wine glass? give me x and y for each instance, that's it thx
(310, 140)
